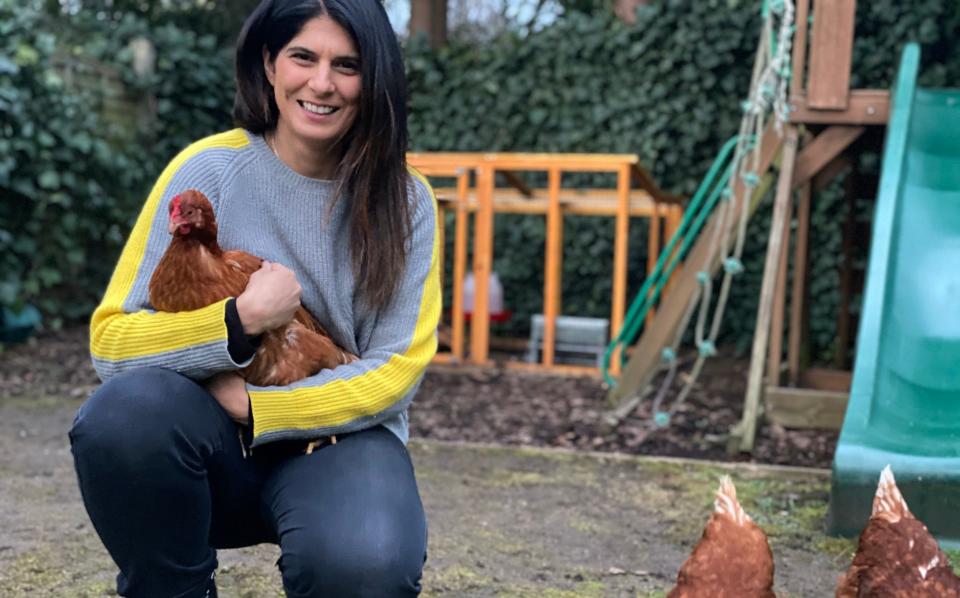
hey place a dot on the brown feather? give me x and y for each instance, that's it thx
(194, 273)
(897, 557)
(732, 559)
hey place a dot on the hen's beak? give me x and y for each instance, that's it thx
(176, 223)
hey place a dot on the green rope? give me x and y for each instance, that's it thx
(711, 188)
(767, 94)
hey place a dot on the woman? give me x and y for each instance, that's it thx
(314, 182)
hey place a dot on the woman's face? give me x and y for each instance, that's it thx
(316, 84)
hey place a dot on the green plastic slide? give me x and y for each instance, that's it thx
(904, 407)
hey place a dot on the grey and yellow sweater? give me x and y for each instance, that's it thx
(265, 208)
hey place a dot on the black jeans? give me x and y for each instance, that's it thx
(165, 482)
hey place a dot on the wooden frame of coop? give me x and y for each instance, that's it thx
(483, 199)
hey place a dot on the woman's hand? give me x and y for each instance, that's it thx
(271, 298)
(230, 390)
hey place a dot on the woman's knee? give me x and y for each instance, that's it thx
(354, 564)
(135, 410)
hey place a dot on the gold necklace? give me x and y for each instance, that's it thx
(270, 144)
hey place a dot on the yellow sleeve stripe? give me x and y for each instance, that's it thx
(137, 338)
(343, 400)
(143, 333)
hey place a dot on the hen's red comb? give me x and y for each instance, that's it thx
(175, 206)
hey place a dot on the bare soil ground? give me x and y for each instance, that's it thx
(509, 407)
(505, 407)
(504, 520)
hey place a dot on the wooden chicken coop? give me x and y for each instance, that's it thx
(476, 194)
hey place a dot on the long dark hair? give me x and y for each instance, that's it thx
(372, 169)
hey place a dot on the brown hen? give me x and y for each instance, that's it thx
(732, 559)
(897, 557)
(194, 272)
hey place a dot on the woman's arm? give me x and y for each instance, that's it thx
(380, 384)
(125, 332)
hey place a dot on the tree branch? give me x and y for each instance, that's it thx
(536, 15)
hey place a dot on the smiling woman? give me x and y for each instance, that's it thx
(316, 87)
(343, 55)
(314, 181)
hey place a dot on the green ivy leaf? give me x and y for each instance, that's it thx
(49, 180)
(45, 139)
(26, 56)
(8, 67)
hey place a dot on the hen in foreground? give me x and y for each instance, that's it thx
(195, 272)
(897, 557)
(732, 559)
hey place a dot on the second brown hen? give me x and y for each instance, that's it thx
(896, 556)
(732, 559)
(195, 272)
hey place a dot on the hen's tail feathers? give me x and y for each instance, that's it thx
(727, 503)
(889, 503)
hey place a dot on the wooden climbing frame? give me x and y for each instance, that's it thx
(829, 119)
(826, 121)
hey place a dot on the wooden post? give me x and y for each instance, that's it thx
(429, 17)
(798, 298)
(775, 357)
(620, 253)
(831, 54)
(746, 431)
(824, 148)
(799, 58)
(653, 250)
(459, 263)
(482, 267)
(846, 273)
(442, 240)
(552, 268)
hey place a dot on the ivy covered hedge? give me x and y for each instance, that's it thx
(59, 203)
(76, 160)
(74, 170)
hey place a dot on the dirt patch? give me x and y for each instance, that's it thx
(53, 364)
(509, 407)
(502, 406)
(594, 524)
(504, 521)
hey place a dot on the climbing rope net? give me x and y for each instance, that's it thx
(739, 159)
